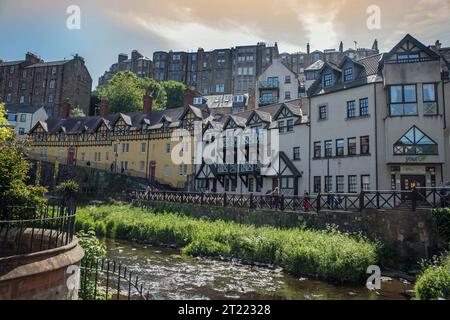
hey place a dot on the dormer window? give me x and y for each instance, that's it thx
(238, 98)
(328, 80)
(348, 74)
(198, 100)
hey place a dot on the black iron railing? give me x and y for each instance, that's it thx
(411, 199)
(109, 280)
(25, 230)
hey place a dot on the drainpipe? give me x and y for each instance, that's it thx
(443, 102)
(376, 137)
(309, 142)
(147, 157)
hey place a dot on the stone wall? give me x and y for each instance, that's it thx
(407, 236)
(43, 275)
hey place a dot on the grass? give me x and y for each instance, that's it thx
(328, 255)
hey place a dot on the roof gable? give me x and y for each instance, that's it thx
(409, 45)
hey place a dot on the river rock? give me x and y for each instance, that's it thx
(386, 279)
(409, 294)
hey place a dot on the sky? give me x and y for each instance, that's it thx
(110, 27)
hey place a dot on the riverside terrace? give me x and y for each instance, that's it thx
(407, 200)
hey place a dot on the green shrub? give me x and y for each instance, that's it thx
(442, 219)
(434, 282)
(326, 254)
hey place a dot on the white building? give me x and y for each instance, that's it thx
(379, 123)
(23, 117)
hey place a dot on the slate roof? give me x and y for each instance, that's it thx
(315, 66)
(22, 108)
(47, 64)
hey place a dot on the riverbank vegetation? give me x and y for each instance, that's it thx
(328, 255)
(434, 281)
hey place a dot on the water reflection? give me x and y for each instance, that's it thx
(169, 276)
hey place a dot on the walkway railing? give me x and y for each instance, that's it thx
(109, 280)
(411, 199)
(25, 230)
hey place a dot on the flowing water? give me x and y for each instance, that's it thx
(170, 276)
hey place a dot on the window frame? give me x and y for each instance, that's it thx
(327, 143)
(403, 102)
(296, 154)
(318, 149)
(352, 185)
(364, 109)
(361, 145)
(328, 82)
(346, 75)
(321, 112)
(435, 101)
(351, 106)
(340, 151)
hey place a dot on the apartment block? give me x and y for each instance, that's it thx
(137, 63)
(34, 82)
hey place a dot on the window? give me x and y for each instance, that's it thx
(10, 84)
(22, 99)
(348, 74)
(281, 127)
(351, 146)
(352, 184)
(23, 118)
(251, 183)
(328, 149)
(12, 117)
(351, 110)
(340, 148)
(328, 183)
(166, 171)
(21, 131)
(50, 98)
(54, 71)
(290, 125)
(317, 150)
(12, 69)
(23, 86)
(317, 184)
(8, 97)
(323, 112)
(296, 153)
(287, 79)
(403, 100)
(287, 95)
(364, 145)
(124, 165)
(167, 148)
(143, 147)
(125, 148)
(198, 100)
(52, 84)
(429, 99)
(365, 183)
(415, 142)
(238, 98)
(340, 184)
(220, 88)
(364, 107)
(141, 165)
(328, 80)
(220, 74)
(404, 58)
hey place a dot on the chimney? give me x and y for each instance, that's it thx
(438, 45)
(341, 47)
(375, 45)
(64, 110)
(308, 48)
(122, 57)
(148, 103)
(32, 58)
(188, 97)
(105, 108)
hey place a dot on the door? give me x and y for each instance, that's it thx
(71, 157)
(152, 171)
(408, 183)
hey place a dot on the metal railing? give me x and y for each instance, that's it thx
(411, 200)
(25, 230)
(103, 279)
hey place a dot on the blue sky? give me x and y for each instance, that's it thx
(109, 27)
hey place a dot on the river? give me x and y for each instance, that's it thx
(167, 275)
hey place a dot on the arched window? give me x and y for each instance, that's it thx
(415, 142)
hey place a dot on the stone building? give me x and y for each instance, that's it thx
(138, 64)
(48, 84)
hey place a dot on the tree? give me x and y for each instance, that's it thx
(77, 112)
(126, 91)
(174, 91)
(14, 169)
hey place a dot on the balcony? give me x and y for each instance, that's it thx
(271, 84)
(264, 101)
